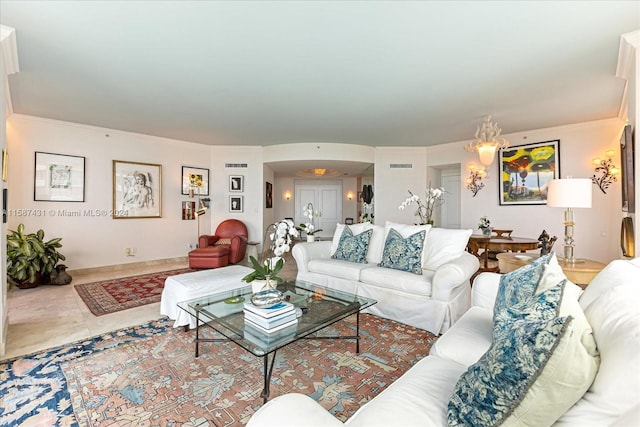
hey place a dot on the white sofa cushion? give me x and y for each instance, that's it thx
(469, 339)
(443, 245)
(398, 280)
(419, 397)
(337, 268)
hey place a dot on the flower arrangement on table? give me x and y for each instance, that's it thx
(433, 197)
(309, 227)
(280, 243)
(485, 226)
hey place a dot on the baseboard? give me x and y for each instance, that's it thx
(127, 266)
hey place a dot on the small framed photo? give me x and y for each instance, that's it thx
(236, 203)
(236, 183)
(57, 177)
(525, 171)
(137, 190)
(196, 180)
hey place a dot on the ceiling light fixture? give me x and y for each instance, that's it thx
(319, 171)
(487, 141)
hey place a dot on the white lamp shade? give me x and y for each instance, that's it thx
(569, 193)
(486, 153)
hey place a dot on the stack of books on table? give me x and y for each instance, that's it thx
(271, 319)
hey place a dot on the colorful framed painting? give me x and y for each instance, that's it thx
(525, 171)
(58, 178)
(196, 180)
(236, 203)
(137, 190)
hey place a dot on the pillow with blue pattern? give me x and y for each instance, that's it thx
(403, 254)
(353, 248)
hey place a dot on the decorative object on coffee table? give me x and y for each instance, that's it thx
(269, 266)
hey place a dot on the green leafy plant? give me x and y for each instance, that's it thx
(264, 271)
(30, 258)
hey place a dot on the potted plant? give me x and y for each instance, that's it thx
(265, 274)
(30, 260)
(309, 227)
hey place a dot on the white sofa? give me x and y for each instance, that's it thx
(420, 397)
(433, 300)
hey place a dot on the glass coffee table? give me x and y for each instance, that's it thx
(320, 308)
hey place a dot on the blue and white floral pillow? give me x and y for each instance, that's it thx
(403, 254)
(353, 248)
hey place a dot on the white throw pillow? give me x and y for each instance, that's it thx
(405, 231)
(443, 245)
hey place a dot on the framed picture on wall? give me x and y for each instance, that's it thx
(269, 196)
(196, 180)
(236, 203)
(137, 190)
(628, 170)
(58, 178)
(525, 170)
(236, 183)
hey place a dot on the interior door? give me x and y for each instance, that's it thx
(450, 209)
(326, 198)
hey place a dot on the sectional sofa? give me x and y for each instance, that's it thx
(588, 374)
(422, 281)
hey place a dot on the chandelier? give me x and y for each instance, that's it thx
(487, 141)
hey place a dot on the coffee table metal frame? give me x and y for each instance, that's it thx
(324, 307)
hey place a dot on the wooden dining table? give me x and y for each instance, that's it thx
(500, 244)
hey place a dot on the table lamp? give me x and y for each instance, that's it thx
(569, 193)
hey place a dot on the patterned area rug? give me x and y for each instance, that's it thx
(148, 375)
(114, 295)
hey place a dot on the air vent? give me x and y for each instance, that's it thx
(235, 165)
(400, 165)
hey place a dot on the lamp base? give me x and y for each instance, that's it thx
(571, 261)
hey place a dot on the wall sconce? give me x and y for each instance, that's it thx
(350, 195)
(487, 141)
(605, 172)
(474, 181)
(287, 195)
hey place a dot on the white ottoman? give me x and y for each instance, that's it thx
(188, 286)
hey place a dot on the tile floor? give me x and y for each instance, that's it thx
(48, 316)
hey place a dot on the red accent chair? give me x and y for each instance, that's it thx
(231, 237)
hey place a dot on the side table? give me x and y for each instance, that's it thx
(252, 249)
(580, 273)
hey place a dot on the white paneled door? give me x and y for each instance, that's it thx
(450, 209)
(327, 198)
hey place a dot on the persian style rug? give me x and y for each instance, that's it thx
(114, 295)
(148, 375)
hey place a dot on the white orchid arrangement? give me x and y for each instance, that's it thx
(433, 197)
(284, 231)
(484, 223)
(309, 227)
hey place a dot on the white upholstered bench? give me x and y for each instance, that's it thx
(184, 287)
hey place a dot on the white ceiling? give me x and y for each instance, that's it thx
(373, 73)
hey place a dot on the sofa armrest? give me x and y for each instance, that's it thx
(293, 410)
(485, 290)
(304, 252)
(453, 274)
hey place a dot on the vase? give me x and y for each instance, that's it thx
(311, 238)
(263, 285)
(486, 231)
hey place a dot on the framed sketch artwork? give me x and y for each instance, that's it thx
(236, 183)
(137, 190)
(58, 178)
(196, 180)
(269, 195)
(236, 203)
(525, 170)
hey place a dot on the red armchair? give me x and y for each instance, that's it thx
(231, 234)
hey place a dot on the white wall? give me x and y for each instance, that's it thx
(596, 230)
